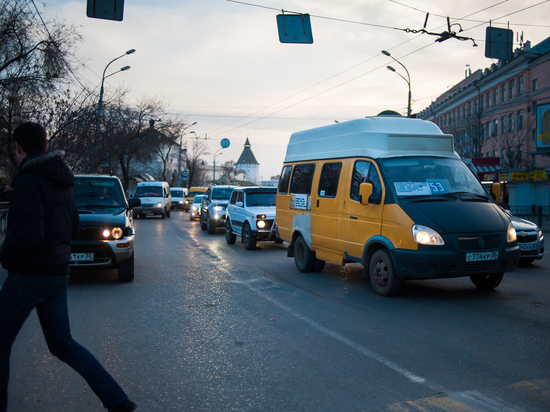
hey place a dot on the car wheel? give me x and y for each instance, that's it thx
(210, 226)
(487, 282)
(126, 270)
(303, 257)
(203, 222)
(383, 278)
(163, 214)
(230, 237)
(168, 213)
(249, 239)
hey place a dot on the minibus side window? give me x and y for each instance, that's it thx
(365, 172)
(328, 182)
(302, 179)
(284, 180)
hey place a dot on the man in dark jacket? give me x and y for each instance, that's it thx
(36, 253)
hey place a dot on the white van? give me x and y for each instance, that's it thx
(155, 199)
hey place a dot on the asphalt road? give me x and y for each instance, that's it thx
(210, 327)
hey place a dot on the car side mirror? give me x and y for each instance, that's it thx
(239, 204)
(365, 191)
(134, 202)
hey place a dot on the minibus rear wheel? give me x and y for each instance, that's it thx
(303, 257)
(487, 282)
(383, 278)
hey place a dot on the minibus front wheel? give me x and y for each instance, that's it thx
(487, 282)
(383, 277)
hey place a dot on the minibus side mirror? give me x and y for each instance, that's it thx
(495, 191)
(365, 191)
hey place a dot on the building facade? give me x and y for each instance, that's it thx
(499, 113)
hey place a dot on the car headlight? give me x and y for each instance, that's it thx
(511, 235)
(424, 235)
(541, 236)
(180, 202)
(194, 207)
(115, 232)
(218, 208)
(158, 204)
(260, 224)
(187, 201)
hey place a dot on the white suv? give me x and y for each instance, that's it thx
(251, 215)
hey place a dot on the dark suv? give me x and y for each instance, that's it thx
(214, 207)
(106, 237)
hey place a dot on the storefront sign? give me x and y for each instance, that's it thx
(538, 175)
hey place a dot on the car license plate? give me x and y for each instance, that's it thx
(478, 257)
(527, 246)
(82, 257)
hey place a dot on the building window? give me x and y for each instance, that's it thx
(475, 107)
(454, 116)
(488, 100)
(533, 134)
(502, 91)
(519, 120)
(495, 96)
(502, 125)
(534, 85)
(480, 104)
(469, 109)
(458, 114)
(510, 124)
(520, 85)
(495, 127)
(511, 89)
(534, 108)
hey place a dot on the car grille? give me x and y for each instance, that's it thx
(146, 205)
(90, 234)
(268, 224)
(527, 238)
(102, 252)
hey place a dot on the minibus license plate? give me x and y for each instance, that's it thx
(478, 257)
(82, 257)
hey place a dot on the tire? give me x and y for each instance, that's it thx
(303, 257)
(279, 240)
(163, 215)
(383, 277)
(169, 213)
(126, 270)
(319, 265)
(230, 237)
(210, 226)
(203, 223)
(487, 282)
(249, 239)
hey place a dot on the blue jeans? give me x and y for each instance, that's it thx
(48, 294)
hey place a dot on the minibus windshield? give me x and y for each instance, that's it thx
(432, 176)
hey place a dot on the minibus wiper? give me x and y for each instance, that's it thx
(432, 198)
(474, 196)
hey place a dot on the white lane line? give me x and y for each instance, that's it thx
(359, 348)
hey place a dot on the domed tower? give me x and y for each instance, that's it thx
(248, 164)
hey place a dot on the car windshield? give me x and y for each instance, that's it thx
(176, 193)
(260, 199)
(413, 177)
(97, 193)
(197, 199)
(220, 193)
(148, 191)
(194, 193)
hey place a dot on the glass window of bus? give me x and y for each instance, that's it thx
(365, 172)
(328, 182)
(302, 179)
(284, 180)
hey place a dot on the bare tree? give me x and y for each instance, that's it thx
(229, 170)
(194, 163)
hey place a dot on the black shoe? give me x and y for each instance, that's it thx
(126, 406)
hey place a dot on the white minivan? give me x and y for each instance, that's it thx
(155, 199)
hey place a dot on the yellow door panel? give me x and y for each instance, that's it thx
(397, 227)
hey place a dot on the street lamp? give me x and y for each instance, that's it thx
(100, 103)
(181, 142)
(214, 169)
(387, 53)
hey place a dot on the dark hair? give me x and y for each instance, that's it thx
(32, 137)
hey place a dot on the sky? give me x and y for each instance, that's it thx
(220, 63)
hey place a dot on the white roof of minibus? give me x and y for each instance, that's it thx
(374, 137)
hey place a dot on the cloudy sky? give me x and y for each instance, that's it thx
(220, 63)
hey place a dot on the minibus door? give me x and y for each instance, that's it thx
(362, 221)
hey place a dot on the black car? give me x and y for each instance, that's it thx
(106, 237)
(214, 208)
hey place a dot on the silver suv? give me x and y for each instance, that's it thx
(214, 204)
(251, 215)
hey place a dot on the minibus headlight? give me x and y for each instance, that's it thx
(158, 204)
(511, 235)
(426, 236)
